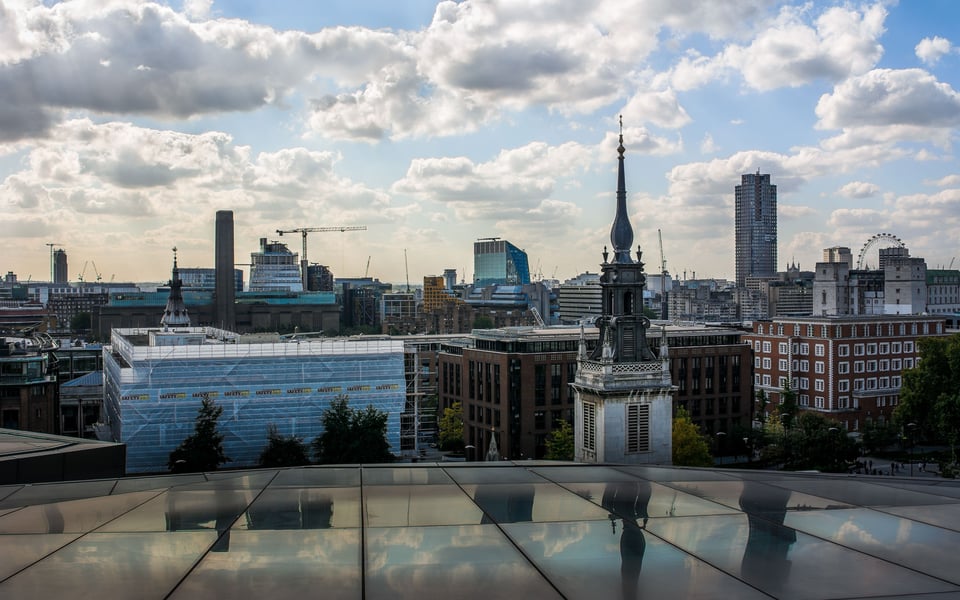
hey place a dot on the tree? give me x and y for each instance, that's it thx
(483, 322)
(203, 450)
(787, 410)
(451, 428)
(80, 322)
(690, 449)
(352, 436)
(948, 421)
(929, 384)
(560, 442)
(817, 442)
(283, 450)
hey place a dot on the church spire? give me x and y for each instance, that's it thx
(175, 313)
(621, 233)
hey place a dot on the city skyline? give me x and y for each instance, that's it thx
(125, 126)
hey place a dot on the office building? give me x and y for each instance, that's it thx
(497, 261)
(29, 396)
(755, 227)
(846, 367)
(155, 381)
(275, 269)
(623, 392)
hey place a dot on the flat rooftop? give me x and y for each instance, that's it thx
(482, 530)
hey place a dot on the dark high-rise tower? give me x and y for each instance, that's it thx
(60, 274)
(225, 294)
(756, 228)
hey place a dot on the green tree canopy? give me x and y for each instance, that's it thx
(451, 428)
(817, 442)
(203, 450)
(930, 389)
(560, 442)
(690, 449)
(352, 436)
(283, 450)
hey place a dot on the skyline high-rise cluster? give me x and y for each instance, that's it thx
(755, 227)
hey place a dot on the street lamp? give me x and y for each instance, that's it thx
(833, 443)
(720, 436)
(912, 428)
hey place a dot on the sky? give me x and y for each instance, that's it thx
(125, 125)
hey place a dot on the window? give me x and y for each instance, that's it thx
(818, 402)
(638, 428)
(908, 363)
(818, 385)
(782, 347)
(843, 350)
(767, 347)
(896, 348)
(871, 366)
(843, 385)
(871, 349)
(783, 364)
(756, 362)
(843, 368)
(782, 383)
(804, 365)
(885, 365)
(540, 419)
(884, 348)
(766, 380)
(756, 346)
(804, 348)
(858, 367)
(818, 349)
(896, 364)
(908, 346)
(590, 426)
(858, 350)
(896, 381)
(766, 363)
(884, 383)
(818, 367)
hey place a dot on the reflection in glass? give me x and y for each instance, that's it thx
(505, 503)
(306, 508)
(768, 541)
(75, 516)
(627, 500)
(418, 505)
(463, 562)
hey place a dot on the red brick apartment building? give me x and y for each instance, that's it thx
(846, 367)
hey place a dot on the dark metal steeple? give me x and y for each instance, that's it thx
(175, 313)
(621, 233)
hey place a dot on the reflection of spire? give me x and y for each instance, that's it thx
(175, 313)
(768, 541)
(628, 500)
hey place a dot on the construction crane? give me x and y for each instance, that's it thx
(366, 272)
(406, 268)
(664, 311)
(303, 231)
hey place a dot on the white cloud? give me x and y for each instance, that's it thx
(931, 50)
(707, 145)
(858, 189)
(840, 42)
(948, 181)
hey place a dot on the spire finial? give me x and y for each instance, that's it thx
(620, 148)
(174, 257)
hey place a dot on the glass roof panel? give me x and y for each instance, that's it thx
(303, 508)
(511, 503)
(498, 474)
(236, 480)
(317, 476)
(73, 516)
(788, 564)
(663, 474)
(136, 484)
(182, 509)
(916, 545)
(21, 550)
(279, 565)
(418, 505)
(756, 497)
(642, 497)
(122, 565)
(941, 515)
(863, 493)
(583, 474)
(404, 475)
(465, 562)
(595, 559)
(57, 492)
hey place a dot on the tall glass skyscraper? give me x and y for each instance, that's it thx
(756, 228)
(498, 262)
